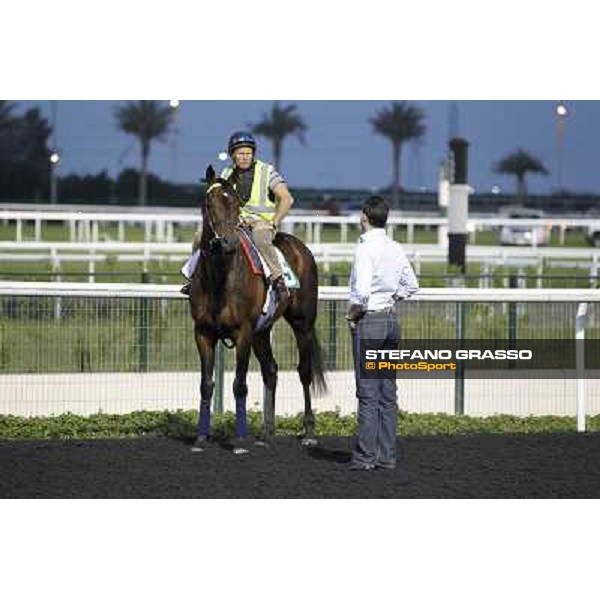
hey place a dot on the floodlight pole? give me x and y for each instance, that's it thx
(54, 157)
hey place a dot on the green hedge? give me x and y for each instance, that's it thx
(182, 425)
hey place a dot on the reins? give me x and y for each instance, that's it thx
(227, 341)
(209, 216)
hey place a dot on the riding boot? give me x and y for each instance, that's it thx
(185, 290)
(281, 291)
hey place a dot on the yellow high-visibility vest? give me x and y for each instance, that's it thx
(260, 203)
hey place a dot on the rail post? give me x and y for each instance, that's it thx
(143, 327)
(580, 361)
(332, 349)
(459, 376)
(512, 314)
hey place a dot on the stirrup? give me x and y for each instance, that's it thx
(281, 290)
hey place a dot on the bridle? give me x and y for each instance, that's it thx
(217, 238)
(211, 223)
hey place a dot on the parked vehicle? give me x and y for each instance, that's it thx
(592, 234)
(524, 235)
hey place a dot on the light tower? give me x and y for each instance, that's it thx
(54, 160)
(561, 112)
(54, 155)
(175, 108)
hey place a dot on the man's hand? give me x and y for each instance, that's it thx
(354, 315)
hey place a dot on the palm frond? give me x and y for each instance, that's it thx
(281, 122)
(146, 119)
(399, 122)
(519, 163)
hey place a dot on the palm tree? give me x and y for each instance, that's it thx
(399, 122)
(277, 125)
(7, 120)
(34, 132)
(6, 116)
(147, 120)
(24, 147)
(519, 163)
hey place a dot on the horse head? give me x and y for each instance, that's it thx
(221, 214)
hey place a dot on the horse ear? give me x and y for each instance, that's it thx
(210, 175)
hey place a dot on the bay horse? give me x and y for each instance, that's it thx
(226, 300)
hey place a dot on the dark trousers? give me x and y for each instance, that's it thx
(377, 398)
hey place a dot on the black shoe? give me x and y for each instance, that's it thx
(280, 288)
(385, 466)
(360, 467)
(185, 290)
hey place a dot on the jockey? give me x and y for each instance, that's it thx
(265, 199)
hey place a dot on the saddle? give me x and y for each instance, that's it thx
(260, 267)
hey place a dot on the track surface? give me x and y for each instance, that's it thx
(475, 466)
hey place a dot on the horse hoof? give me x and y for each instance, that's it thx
(199, 444)
(240, 451)
(309, 442)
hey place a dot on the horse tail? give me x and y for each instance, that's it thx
(318, 382)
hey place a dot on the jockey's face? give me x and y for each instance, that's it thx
(243, 157)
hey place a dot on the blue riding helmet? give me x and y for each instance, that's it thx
(241, 139)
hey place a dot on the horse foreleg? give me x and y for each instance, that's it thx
(240, 386)
(268, 366)
(206, 349)
(305, 371)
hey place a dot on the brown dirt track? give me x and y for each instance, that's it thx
(460, 466)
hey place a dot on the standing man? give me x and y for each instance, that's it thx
(265, 201)
(381, 275)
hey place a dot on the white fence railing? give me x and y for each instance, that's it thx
(144, 290)
(159, 226)
(93, 253)
(37, 392)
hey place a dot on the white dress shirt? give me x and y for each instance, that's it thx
(381, 273)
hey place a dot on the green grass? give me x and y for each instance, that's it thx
(109, 271)
(129, 335)
(58, 232)
(428, 235)
(431, 274)
(102, 335)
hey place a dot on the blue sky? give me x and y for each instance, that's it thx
(341, 150)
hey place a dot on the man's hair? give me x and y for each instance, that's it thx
(376, 210)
